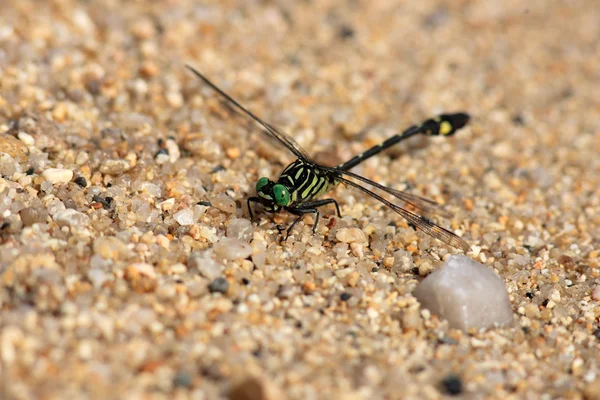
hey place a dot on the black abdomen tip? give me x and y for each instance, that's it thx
(458, 120)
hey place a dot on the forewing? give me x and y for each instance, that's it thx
(264, 127)
(425, 205)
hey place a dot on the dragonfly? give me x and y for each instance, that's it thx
(298, 188)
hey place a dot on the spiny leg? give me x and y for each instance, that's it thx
(300, 213)
(252, 200)
(311, 207)
(320, 203)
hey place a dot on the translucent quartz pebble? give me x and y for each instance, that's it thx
(232, 249)
(467, 294)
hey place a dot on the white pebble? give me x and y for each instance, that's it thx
(26, 138)
(351, 235)
(467, 294)
(184, 217)
(144, 269)
(240, 228)
(161, 158)
(97, 277)
(224, 203)
(70, 217)
(403, 261)
(232, 249)
(203, 262)
(173, 150)
(58, 175)
(114, 167)
(8, 165)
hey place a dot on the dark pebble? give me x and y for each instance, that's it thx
(545, 302)
(447, 340)
(518, 119)
(204, 203)
(30, 171)
(106, 202)
(219, 285)
(218, 168)
(346, 32)
(80, 180)
(452, 385)
(345, 296)
(183, 380)
(597, 333)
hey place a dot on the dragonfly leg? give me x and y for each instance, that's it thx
(300, 213)
(320, 203)
(252, 200)
(311, 207)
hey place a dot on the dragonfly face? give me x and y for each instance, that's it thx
(273, 196)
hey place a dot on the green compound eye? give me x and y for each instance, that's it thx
(282, 196)
(261, 183)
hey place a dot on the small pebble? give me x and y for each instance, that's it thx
(80, 181)
(114, 167)
(403, 261)
(241, 229)
(97, 277)
(8, 165)
(206, 266)
(183, 380)
(173, 150)
(184, 217)
(58, 175)
(13, 147)
(72, 218)
(33, 215)
(224, 203)
(467, 294)
(219, 285)
(255, 388)
(26, 138)
(232, 249)
(351, 235)
(596, 293)
(452, 385)
(161, 156)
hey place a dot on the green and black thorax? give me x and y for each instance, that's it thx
(301, 181)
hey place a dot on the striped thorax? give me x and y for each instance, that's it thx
(299, 182)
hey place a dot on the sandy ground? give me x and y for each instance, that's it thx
(130, 268)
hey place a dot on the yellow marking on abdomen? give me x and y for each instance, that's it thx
(445, 128)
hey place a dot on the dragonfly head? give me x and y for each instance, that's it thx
(272, 195)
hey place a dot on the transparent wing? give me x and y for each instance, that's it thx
(264, 127)
(421, 223)
(420, 203)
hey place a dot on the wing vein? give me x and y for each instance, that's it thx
(266, 128)
(418, 221)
